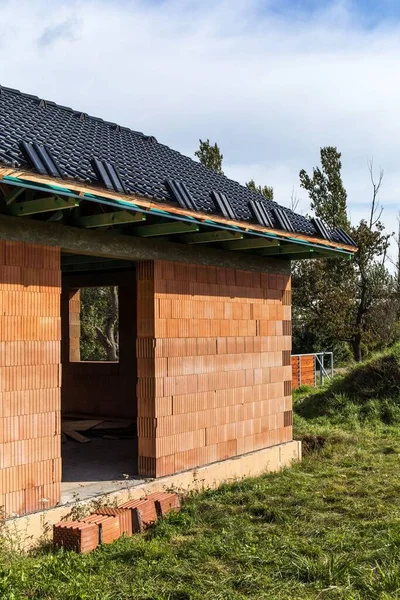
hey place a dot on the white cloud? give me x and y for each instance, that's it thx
(271, 89)
(64, 30)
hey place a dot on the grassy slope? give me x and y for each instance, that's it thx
(369, 393)
(327, 528)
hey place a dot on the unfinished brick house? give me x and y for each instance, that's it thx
(202, 266)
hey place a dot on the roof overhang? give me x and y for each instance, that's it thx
(143, 217)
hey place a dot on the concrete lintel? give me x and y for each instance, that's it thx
(29, 529)
(123, 247)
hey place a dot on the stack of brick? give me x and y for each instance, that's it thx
(109, 528)
(303, 370)
(214, 369)
(75, 535)
(165, 502)
(143, 513)
(30, 374)
(109, 523)
(125, 518)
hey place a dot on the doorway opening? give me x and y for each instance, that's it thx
(98, 392)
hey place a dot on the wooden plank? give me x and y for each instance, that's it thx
(77, 436)
(83, 425)
(122, 424)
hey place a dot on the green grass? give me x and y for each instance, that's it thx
(368, 394)
(327, 528)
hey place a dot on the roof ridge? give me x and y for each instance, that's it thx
(88, 117)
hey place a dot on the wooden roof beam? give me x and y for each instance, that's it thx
(11, 193)
(41, 205)
(251, 243)
(120, 217)
(209, 237)
(171, 228)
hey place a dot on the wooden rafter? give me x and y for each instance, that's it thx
(209, 237)
(41, 205)
(251, 244)
(171, 228)
(298, 251)
(11, 193)
(287, 249)
(111, 218)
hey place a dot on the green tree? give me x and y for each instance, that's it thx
(210, 156)
(328, 197)
(99, 323)
(265, 190)
(322, 289)
(373, 280)
(338, 301)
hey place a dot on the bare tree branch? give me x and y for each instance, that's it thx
(376, 210)
(294, 200)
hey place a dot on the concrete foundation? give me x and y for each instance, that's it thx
(97, 468)
(29, 529)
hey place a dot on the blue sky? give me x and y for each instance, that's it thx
(371, 12)
(270, 80)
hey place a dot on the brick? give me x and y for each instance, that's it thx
(227, 449)
(143, 513)
(109, 528)
(166, 465)
(124, 516)
(75, 535)
(288, 418)
(165, 502)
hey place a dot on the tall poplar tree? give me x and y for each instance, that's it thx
(337, 300)
(210, 155)
(328, 197)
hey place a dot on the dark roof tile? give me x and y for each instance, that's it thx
(142, 163)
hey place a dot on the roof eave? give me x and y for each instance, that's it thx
(316, 246)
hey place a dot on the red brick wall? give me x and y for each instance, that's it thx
(30, 331)
(214, 372)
